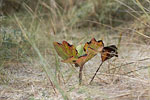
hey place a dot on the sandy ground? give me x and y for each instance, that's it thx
(28, 81)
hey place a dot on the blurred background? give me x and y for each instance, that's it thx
(43, 20)
(29, 27)
(75, 12)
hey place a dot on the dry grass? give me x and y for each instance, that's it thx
(26, 74)
(28, 80)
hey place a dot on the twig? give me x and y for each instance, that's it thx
(136, 70)
(129, 63)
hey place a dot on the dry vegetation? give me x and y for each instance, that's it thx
(29, 63)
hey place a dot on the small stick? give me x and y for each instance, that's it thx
(96, 72)
(144, 67)
(129, 63)
(53, 86)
